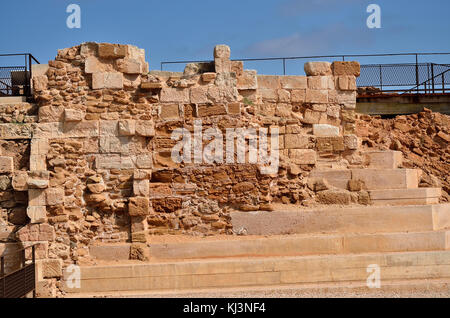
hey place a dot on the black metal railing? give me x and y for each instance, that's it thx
(21, 281)
(397, 77)
(436, 84)
(16, 74)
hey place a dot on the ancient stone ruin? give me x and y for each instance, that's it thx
(92, 162)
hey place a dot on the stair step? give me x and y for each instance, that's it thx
(12, 100)
(367, 219)
(296, 245)
(219, 273)
(405, 196)
(374, 179)
(384, 159)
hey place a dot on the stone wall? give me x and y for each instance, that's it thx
(96, 164)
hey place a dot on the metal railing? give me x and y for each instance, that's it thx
(22, 281)
(16, 74)
(386, 77)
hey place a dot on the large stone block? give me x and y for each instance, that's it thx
(247, 80)
(101, 80)
(346, 82)
(88, 128)
(145, 128)
(19, 180)
(127, 127)
(199, 95)
(141, 188)
(294, 82)
(113, 144)
(324, 130)
(211, 110)
(222, 51)
(54, 196)
(330, 144)
(346, 68)
(269, 81)
(6, 164)
(302, 156)
(139, 206)
(316, 96)
(37, 214)
(317, 68)
(174, 95)
(49, 268)
(297, 141)
(73, 115)
(107, 50)
(129, 66)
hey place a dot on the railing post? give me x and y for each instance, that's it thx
(432, 77)
(381, 79)
(33, 257)
(2, 275)
(417, 74)
(284, 66)
(443, 83)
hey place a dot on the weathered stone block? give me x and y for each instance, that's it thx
(174, 95)
(318, 82)
(92, 65)
(346, 68)
(38, 162)
(113, 144)
(324, 130)
(317, 68)
(268, 94)
(297, 141)
(145, 128)
(222, 51)
(247, 80)
(19, 180)
(211, 110)
(346, 82)
(88, 128)
(37, 214)
(101, 80)
(351, 142)
(40, 83)
(302, 156)
(269, 81)
(234, 108)
(199, 95)
(129, 66)
(139, 206)
(49, 268)
(316, 96)
(73, 115)
(141, 188)
(6, 164)
(298, 95)
(294, 82)
(144, 161)
(107, 50)
(54, 196)
(208, 77)
(330, 144)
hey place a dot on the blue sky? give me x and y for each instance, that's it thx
(180, 30)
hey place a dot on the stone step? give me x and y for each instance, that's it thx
(257, 271)
(12, 99)
(374, 179)
(296, 245)
(384, 159)
(367, 219)
(405, 196)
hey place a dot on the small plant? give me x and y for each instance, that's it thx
(246, 101)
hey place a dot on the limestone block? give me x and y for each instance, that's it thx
(268, 94)
(208, 76)
(317, 68)
(170, 111)
(88, 128)
(108, 161)
(92, 65)
(39, 146)
(199, 94)
(318, 82)
(49, 268)
(141, 188)
(37, 214)
(268, 81)
(222, 51)
(222, 65)
(113, 144)
(330, 144)
(14, 131)
(40, 83)
(51, 113)
(346, 68)
(351, 142)
(302, 156)
(38, 162)
(128, 66)
(296, 141)
(54, 196)
(145, 128)
(139, 206)
(247, 80)
(108, 128)
(211, 110)
(298, 95)
(144, 161)
(237, 67)
(324, 130)
(6, 164)
(101, 80)
(174, 95)
(107, 50)
(294, 82)
(38, 180)
(316, 96)
(73, 115)
(314, 117)
(234, 108)
(140, 174)
(19, 180)
(151, 85)
(346, 82)
(127, 127)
